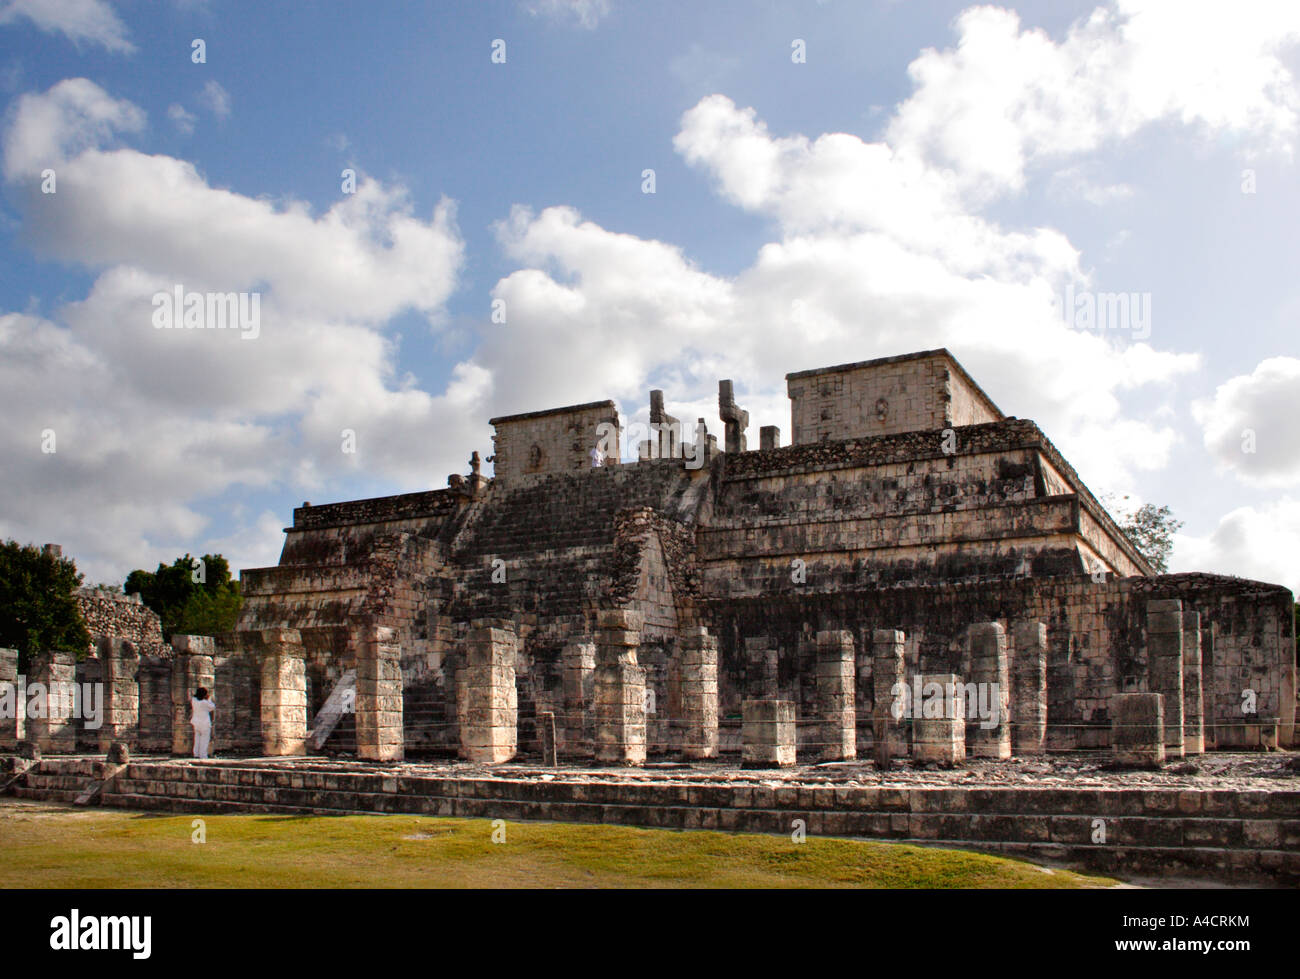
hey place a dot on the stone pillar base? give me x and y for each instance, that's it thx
(767, 734)
(939, 721)
(1137, 729)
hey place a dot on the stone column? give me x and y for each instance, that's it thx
(87, 712)
(767, 734)
(991, 737)
(192, 667)
(121, 721)
(836, 665)
(489, 732)
(1029, 689)
(1165, 666)
(1193, 698)
(238, 696)
(761, 668)
(1137, 729)
(886, 673)
(546, 735)
(620, 689)
(50, 723)
(579, 663)
(378, 702)
(284, 692)
(13, 702)
(154, 681)
(939, 720)
(699, 660)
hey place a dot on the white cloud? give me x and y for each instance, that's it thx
(1249, 424)
(72, 116)
(90, 21)
(184, 121)
(215, 99)
(587, 13)
(1262, 543)
(155, 425)
(1005, 98)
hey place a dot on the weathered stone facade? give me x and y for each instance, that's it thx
(908, 505)
(111, 615)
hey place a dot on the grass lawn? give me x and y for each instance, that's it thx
(54, 846)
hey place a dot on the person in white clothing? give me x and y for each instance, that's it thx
(201, 709)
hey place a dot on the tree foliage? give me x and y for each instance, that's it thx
(192, 596)
(38, 607)
(1151, 530)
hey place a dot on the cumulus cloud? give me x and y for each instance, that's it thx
(1249, 424)
(74, 115)
(1259, 542)
(153, 425)
(877, 248)
(1003, 99)
(876, 255)
(81, 21)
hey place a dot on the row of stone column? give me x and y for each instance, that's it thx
(131, 694)
(939, 730)
(1167, 720)
(604, 690)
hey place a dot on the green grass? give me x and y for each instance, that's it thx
(54, 846)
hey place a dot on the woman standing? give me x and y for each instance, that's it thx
(201, 709)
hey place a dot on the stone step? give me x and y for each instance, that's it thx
(1117, 857)
(1147, 825)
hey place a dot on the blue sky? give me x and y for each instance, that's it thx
(929, 175)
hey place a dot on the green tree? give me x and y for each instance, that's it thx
(38, 607)
(1150, 528)
(192, 596)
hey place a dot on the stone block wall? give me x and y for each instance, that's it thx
(1096, 637)
(537, 443)
(915, 392)
(111, 615)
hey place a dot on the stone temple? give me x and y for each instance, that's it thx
(914, 622)
(708, 596)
